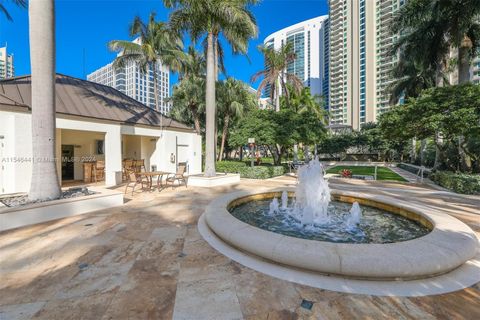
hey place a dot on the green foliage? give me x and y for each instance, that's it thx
(461, 183)
(261, 172)
(230, 166)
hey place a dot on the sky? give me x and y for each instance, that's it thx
(84, 27)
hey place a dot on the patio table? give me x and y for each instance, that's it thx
(150, 175)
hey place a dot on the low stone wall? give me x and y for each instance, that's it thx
(449, 245)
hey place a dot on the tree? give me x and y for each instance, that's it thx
(188, 100)
(234, 100)
(452, 110)
(275, 73)
(434, 26)
(44, 184)
(156, 44)
(20, 3)
(303, 102)
(210, 18)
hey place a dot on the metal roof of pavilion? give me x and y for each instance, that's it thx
(87, 99)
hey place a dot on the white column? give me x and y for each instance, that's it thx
(113, 156)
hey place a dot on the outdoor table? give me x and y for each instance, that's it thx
(152, 174)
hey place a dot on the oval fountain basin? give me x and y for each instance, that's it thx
(449, 244)
(375, 226)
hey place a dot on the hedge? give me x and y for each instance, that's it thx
(230, 166)
(246, 171)
(261, 172)
(458, 182)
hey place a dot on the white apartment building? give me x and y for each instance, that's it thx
(136, 84)
(308, 41)
(359, 61)
(6, 64)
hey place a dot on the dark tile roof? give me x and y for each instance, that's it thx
(87, 99)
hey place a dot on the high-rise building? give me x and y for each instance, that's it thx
(307, 38)
(360, 63)
(137, 84)
(6, 64)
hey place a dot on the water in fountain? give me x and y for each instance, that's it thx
(284, 200)
(312, 194)
(355, 215)
(274, 207)
(312, 197)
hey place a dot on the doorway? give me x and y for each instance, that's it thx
(67, 162)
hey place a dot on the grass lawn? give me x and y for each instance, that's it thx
(382, 172)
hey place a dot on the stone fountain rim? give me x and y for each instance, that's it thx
(450, 243)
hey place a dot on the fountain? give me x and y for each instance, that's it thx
(337, 232)
(274, 207)
(312, 198)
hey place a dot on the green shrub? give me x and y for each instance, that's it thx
(261, 172)
(230, 166)
(458, 182)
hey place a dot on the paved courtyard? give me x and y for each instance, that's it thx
(146, 260)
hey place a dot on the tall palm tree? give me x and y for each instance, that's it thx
(188, 100)
(233, 100)
(275, 73)
(20, 3)
(44, 184)
(156, 44)
(210, 18)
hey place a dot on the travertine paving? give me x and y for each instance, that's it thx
(146, 260)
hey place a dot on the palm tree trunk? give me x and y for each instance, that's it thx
(226, 120)
(44, 183)
(210, 110)
(196, 121)
(277, 96)
(464, 60)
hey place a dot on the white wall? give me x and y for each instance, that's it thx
(155, 146)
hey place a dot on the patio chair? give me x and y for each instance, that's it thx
(127, 165)
(178, 176)
(134, 179)
(139, 165)
(99, 170)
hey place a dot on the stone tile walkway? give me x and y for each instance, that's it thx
(146, 260)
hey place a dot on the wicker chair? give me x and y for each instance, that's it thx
(178, 176)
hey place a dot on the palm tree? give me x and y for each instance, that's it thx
(210, 18)
(20, 3)
(275, 74)
(193, 64)
(44, 184)
(156, 43)
(188, 100)
(234, 100)
(305, 102)
(435, 26)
